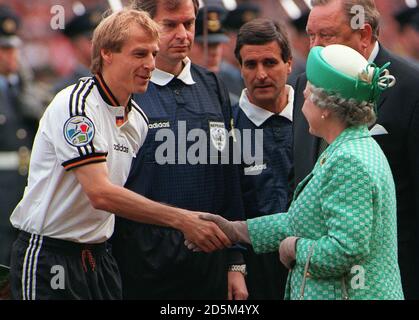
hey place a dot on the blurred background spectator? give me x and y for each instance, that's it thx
(208, 48)
(210, 36)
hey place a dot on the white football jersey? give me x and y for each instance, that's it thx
(78, 128)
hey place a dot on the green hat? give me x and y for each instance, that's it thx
(341, 70)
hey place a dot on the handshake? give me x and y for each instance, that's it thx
(217, 233)
(221, 233)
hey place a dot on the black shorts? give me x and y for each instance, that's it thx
(155, 264)
(47, 268)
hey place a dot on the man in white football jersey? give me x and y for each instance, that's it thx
(81, 158)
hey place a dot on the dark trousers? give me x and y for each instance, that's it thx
(266, 276)
(156, 265)
(44, 268)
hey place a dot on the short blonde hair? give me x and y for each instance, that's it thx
(113, 31)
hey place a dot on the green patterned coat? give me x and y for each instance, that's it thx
(345, 215)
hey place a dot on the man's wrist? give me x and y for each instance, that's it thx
(181, 220)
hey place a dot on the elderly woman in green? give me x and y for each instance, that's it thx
(339, 236)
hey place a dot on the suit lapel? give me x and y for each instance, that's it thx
(382, 58)
(309, 143)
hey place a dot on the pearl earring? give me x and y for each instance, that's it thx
(323, 117)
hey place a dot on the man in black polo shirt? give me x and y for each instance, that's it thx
(265, 108)
(187, 108)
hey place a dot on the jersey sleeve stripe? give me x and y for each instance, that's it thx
(92, 147)
(83, 112)
(80, 150)
(78, 102)
(141, 112)
(78, 162)
(83, 99)
(73, 112)
(75, 89)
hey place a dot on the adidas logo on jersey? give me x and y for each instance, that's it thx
(159, 125)
(119, 147)
(255, 170)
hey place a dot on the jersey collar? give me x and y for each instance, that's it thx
(162, 78)
(259, 115)
(107, 94)
(374, 52)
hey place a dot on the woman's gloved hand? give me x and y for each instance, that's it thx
(236, 231)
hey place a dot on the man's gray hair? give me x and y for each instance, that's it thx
(372, 16)
(349, 111)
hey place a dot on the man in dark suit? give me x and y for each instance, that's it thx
(397, 126)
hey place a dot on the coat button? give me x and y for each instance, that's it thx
(323, 161)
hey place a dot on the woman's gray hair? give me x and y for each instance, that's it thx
(349, 111)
